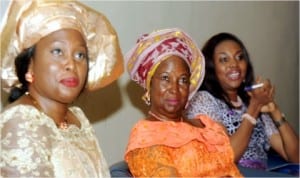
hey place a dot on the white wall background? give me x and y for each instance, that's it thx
(270, 31)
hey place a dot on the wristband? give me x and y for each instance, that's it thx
(280, 122)
(249, 118)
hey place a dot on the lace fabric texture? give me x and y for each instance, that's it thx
(32, 146)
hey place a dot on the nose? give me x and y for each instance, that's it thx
(70, 64)
(174, 87)
(233, 63)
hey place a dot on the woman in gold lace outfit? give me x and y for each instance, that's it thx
(50, 52)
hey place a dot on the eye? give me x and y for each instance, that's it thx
(80, 56)
(240, 57)
(223, 59)
(164, 77)
(57, 52)
(184, 80)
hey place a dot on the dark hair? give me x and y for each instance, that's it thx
(22, 62)
(211, 83)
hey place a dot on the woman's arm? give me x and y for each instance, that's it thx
(153, 161)
(286, 142)
(241, 138)
(258, 98)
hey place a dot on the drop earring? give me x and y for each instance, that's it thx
(146, 98)
(29, 77)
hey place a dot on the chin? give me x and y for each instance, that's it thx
(67, 99)
(174, 110)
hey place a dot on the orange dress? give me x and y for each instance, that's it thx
(177, 149)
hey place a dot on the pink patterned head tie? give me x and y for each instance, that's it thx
(153, 48)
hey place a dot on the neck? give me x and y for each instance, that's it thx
(232, 95)
(157, 117)
(57, 112)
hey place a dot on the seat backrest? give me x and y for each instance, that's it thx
(120, 169)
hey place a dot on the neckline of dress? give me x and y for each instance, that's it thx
(62, 125)
(163, 120)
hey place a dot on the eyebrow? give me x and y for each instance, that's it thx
(222, 52)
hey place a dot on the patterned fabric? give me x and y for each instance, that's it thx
(255, 156)
(153, 48)
(35, 19)
(32, 146)
(164, 149)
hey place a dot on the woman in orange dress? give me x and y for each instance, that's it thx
(169, 65)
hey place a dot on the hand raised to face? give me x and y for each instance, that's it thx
(263, 95)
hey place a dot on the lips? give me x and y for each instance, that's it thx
(234, 75)
(70, 82)
(173, 102)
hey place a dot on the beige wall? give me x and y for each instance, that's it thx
(270, 31)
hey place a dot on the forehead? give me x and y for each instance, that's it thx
(172, 62)
(226, 45)
(64, 34)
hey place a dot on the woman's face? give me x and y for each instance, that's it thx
(60, 66)
(230, 65)
(169, 88)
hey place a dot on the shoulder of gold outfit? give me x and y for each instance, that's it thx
(62, 125)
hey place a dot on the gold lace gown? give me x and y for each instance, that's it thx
(33, 146)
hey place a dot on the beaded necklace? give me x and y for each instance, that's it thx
(62, 125)
(159, 118)
(237, 103)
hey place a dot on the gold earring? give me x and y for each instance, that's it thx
(146, 98)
